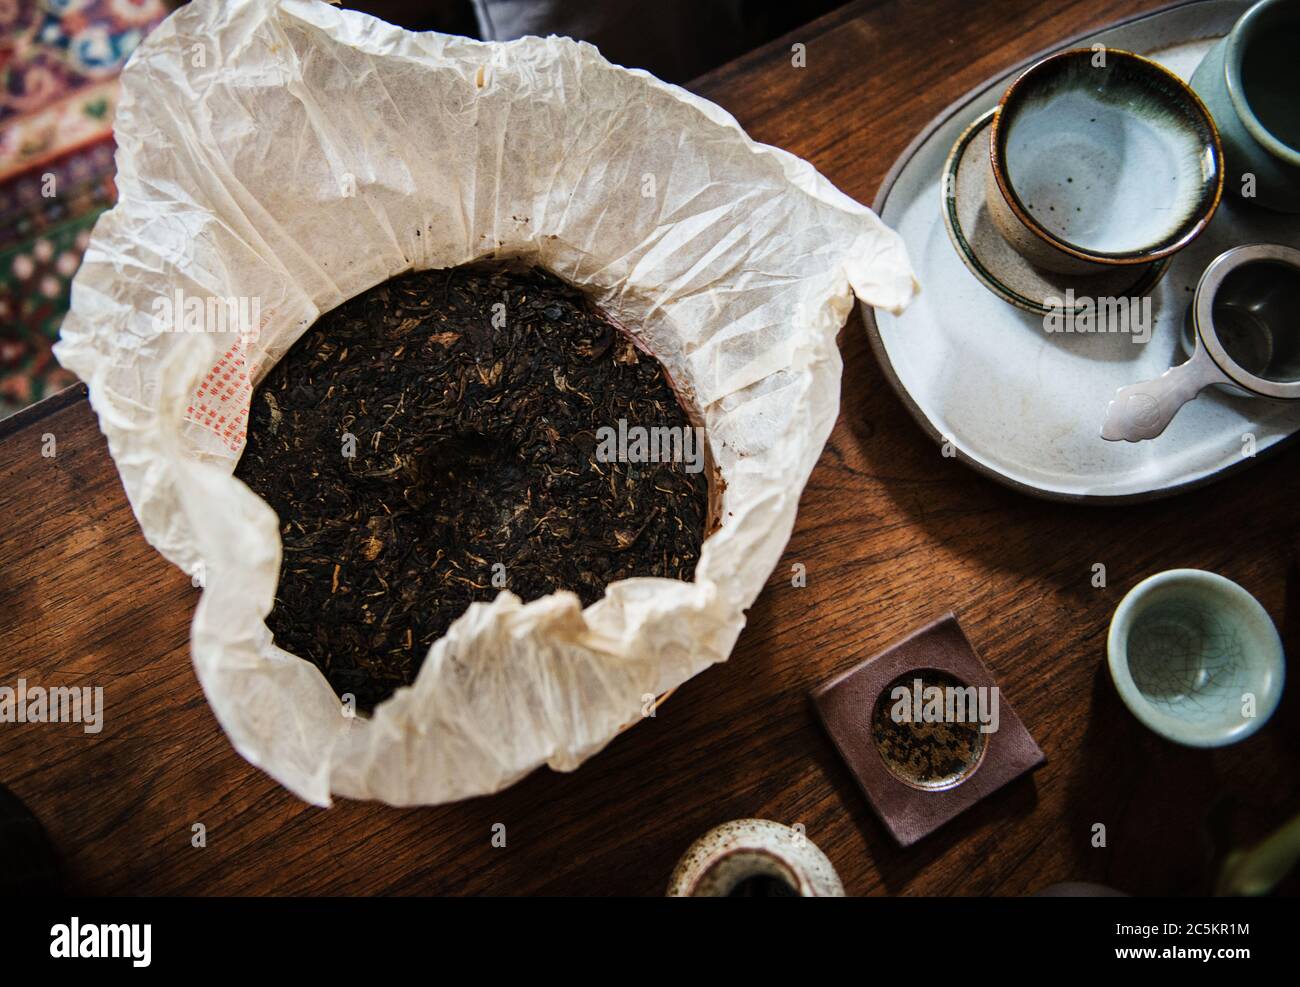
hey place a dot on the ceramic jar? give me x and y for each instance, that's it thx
(754, 858)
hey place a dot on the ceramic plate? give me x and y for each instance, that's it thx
(1025, 406)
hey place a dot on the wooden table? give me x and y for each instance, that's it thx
(891, 532)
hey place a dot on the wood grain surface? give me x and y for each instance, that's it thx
(891, 532)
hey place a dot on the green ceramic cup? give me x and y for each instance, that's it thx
(1196, 658)
(1248, 82)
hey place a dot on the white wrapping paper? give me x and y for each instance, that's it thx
(298, 154)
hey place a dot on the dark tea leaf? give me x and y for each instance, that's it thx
(437, 439)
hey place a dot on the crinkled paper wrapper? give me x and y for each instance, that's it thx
(300, 154)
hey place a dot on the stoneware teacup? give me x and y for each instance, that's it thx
(1249, 82)
(1245, 336)
(1196, 658)
(754, 858)
(1101, 158)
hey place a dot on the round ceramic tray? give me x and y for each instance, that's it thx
(1023, 405)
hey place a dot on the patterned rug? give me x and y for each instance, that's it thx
(59, 62)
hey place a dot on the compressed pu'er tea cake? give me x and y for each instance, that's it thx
(450, 434)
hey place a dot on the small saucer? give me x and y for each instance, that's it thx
(993, 261)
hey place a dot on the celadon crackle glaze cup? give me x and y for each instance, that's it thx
(1250, 81)
(1196, 658)
(1101, 158)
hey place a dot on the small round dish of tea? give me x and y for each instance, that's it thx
(921, 768)
(932, 754)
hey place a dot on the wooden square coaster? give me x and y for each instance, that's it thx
(922, 755)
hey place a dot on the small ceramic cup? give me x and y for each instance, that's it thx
(1248, 82)
(1101, 158)
(754, 858)
(1244, 330)
(1196, 658)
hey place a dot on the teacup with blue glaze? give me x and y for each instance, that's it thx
(1101, 158)
(1196, 658)
(1251, 84)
